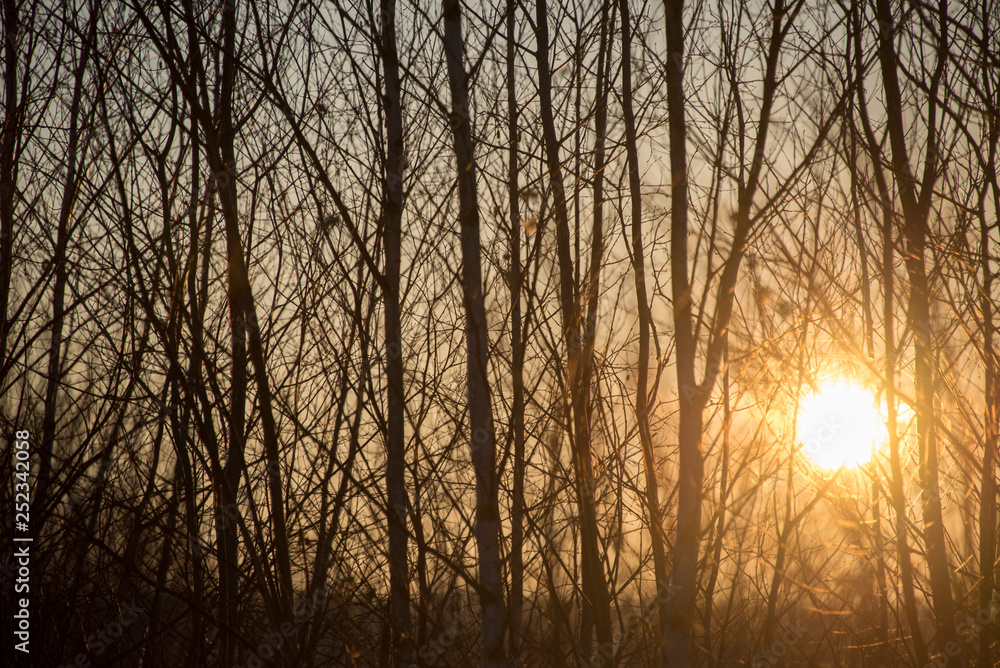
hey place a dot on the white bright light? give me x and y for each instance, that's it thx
(840, 426)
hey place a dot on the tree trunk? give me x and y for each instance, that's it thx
(991, 383)
(680, 604)
(227, 497)
(720, 527)
(8, 174)
(657, 535)
(916, 207)
(247, 347)
(693, 396)
(897, 495)
(476, 337)
(75, 157)
(595, 588)
(395, 466)
(516, 602)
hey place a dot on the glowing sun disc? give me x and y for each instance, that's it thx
(840, 426)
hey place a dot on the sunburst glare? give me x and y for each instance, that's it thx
(840, 425)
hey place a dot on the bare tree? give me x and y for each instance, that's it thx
(280, 403)
(395, 444)
(595, 587)
(12, 123)
(642, 390)
(482, 436)
(916, 201)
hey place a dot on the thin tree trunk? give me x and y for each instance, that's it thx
(228, 488)
(988, 534)
(476, 337)
(693, 396)
(991, 382)
(866, 301)
(581, 390)
(851, 137)
(246, 347)
(882, 610)
(197, 317)
(720, 527)
(988, 489)
(75, 156)
(516, 602)
(916, 207)
(595, 588)
(897, 495)
(778, 576)
(657, 535)
(395, 466)
(680, 604)
(8, 172)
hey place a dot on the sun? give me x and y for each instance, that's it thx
(840, 426)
